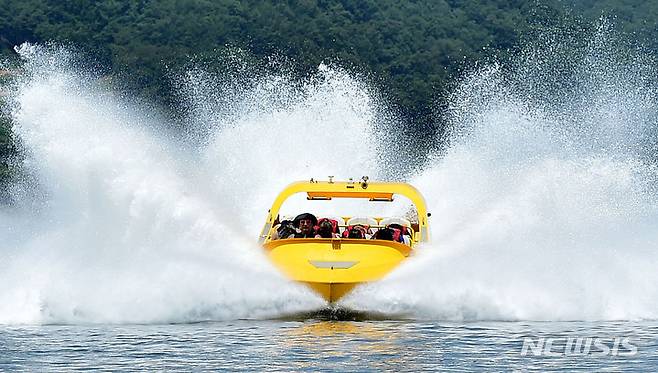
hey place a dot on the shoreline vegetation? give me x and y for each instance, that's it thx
(412, 51)
(7, 146)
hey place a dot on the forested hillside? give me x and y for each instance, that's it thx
(413, 48)
(5, 148)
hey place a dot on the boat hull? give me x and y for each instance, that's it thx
(333, 267)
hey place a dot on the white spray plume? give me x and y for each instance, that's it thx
(543, 205)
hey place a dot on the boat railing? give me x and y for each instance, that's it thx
(342, 227)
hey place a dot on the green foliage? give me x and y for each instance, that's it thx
(634, 17)
(6, 147)
(415, 48)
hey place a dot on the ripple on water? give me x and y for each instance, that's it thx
(314, 344)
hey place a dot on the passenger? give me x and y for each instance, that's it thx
(394, 232)
(357, 231)
(285, 229)
(305, 224)
(327, 228)
(387, 234)
(401, 233)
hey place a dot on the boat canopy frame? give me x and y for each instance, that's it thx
(373, 191)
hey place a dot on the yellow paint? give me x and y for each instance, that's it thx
(333, 267)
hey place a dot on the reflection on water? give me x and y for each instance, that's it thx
(316, 344)
(347, 343)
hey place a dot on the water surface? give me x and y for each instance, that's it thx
(321, 345)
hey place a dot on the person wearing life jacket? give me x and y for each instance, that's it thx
(305, 224)
(327, 228)
(357, 231)
(393, 232)
(400, 233)
(386, 233)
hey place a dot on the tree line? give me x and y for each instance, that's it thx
(414, 48)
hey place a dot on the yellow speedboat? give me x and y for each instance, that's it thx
(334, 266)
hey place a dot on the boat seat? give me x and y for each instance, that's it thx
(396, 220)
(340, 220)
(362, 220)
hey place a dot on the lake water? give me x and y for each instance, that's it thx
(321, 344)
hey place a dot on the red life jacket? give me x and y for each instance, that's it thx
(349, 229)
(334, 225)
(397, 235)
